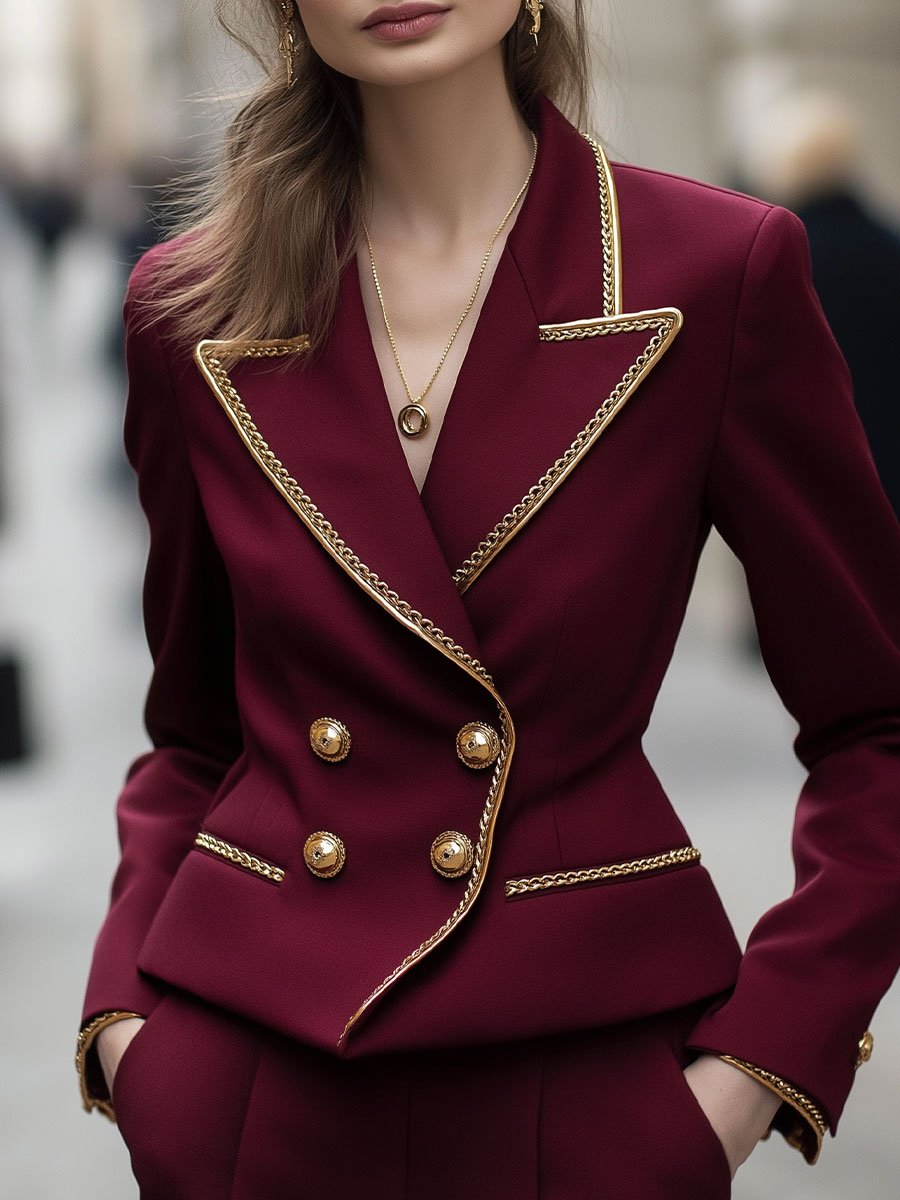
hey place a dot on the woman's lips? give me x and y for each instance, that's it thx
(404, 21)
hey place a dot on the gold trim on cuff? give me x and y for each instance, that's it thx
(86, 1037)
(805, 1135)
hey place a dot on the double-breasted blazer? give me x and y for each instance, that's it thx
(396, 795)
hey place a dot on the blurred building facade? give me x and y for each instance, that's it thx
(685, 82)
(680, 85)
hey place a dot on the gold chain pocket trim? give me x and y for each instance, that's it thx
(241, 858)
(683, 856)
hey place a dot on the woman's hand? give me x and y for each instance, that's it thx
(111, 1043)
(739, 1108)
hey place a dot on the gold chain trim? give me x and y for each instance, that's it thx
(798, 1100)
(609, 231)
(577, 330)
(210, 364)
(666, 322)
(232, 352)
(324, 531)
(790, 1093)
(636, 866)
(241, 858)
(86, 1038)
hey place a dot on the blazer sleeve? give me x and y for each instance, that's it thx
(190, 711)
(793, 489)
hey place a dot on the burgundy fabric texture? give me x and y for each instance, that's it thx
(747, 422)
(214, 1107)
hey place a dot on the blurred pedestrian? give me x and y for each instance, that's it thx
(809, 159)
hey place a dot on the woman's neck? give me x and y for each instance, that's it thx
(444, 156)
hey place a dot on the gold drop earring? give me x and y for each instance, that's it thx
(533, 7)
(287, 44)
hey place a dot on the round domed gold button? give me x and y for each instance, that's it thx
(451, 854)
(477, 744)
(866, 1045)
(330, 739)
(324, 853)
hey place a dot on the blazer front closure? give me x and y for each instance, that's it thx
(552, 361)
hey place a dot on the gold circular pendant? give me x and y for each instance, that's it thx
(413, 420)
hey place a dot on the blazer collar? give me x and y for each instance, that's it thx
(551, 361)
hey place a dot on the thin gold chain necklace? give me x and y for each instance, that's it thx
(412, 419)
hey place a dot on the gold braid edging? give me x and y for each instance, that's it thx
(241, 858)
(485, 831)
(208, 354)
(664, 324)
(592, 329)
(636, 866)
(611, 282)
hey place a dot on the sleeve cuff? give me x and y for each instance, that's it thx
(94, 1092)
(799, 1120)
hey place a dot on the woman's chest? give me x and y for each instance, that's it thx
(420, 320)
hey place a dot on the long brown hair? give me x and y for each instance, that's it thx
(272, 225)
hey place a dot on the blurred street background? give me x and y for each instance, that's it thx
(101, 101)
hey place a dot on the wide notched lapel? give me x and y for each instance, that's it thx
(322, 432)
(552, 361)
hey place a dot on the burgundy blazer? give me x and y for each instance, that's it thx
(396, 795)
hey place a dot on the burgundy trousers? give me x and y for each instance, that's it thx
(215, 1107)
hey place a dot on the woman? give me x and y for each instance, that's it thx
(401, 906)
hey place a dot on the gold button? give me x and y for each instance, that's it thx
(330, 739)
(451, 854)
(866, 1042)
(477, 744)
(324, 853)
